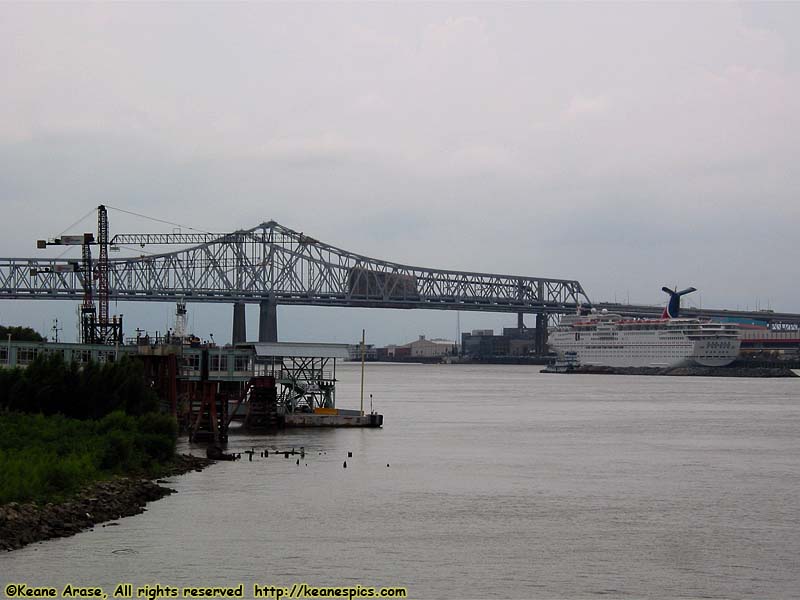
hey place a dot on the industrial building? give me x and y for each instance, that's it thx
(420, 350)
(433, 348)
(484, 344)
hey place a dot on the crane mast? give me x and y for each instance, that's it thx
(102, 265)
(108, 330)
(94, 328)
(88, 312)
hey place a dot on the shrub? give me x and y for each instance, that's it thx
(118, 450)
(155, 448)
(164, 425)
(50, 385)
(48, 457)
(118, 421)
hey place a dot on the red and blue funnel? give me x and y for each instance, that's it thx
(673, 309)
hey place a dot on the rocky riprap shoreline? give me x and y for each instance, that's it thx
(101, 501)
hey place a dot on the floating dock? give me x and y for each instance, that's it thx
(337, 418)
(302, 380)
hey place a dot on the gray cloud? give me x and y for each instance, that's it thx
(627, 146)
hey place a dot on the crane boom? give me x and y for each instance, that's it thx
(94, 329)
(143, 239)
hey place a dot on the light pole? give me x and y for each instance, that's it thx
(219, 356)
(56, 329)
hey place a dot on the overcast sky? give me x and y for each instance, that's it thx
(628, 146)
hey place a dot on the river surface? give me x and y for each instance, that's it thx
(486, 482)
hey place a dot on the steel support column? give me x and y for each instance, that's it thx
(268, 321)
(239, 335)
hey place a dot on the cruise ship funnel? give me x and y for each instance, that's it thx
(673, 309)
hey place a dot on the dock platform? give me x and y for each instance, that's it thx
(341, 418)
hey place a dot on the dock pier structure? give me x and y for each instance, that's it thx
(205, 386)
(294, 385)
(261, 406)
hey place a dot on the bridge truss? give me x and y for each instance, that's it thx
(272, 262)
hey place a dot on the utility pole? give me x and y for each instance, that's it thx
(363, 358)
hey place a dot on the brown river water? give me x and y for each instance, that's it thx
(502, 483)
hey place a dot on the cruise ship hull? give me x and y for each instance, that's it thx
(607, 340)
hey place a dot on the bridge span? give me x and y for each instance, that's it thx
(271, 264)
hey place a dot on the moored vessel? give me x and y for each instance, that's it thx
(607, 339)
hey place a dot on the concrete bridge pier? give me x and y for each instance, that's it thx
(239, 335)
(541, 334)
(268, 321)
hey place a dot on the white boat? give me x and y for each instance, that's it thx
(607, 339)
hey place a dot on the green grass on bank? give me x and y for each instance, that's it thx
(63, 425)
(47, 458)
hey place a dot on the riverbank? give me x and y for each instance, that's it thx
(680, 371)
(98, 502)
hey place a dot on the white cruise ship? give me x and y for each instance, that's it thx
(606, 339)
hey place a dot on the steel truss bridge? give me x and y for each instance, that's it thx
(271, 264)
(274, 262)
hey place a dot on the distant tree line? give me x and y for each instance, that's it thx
(20, 334)
(50, 385)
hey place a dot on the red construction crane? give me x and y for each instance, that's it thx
(95, 329)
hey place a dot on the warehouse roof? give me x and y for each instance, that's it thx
(301, 350)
